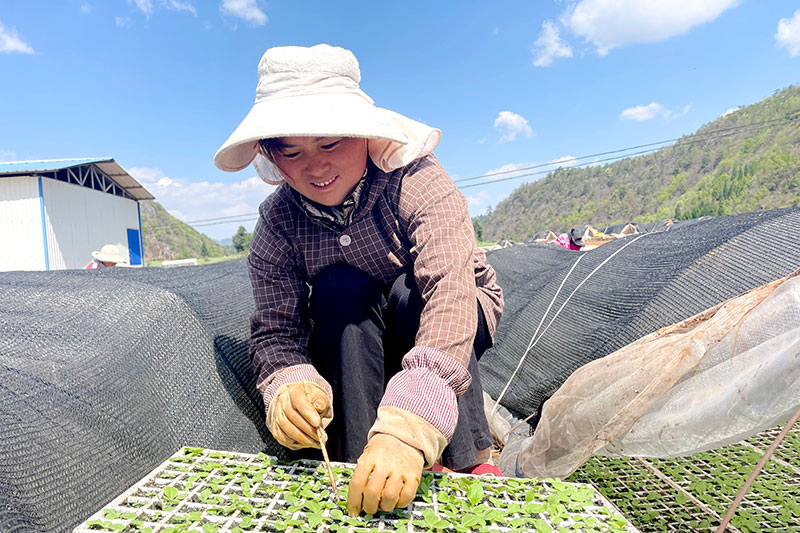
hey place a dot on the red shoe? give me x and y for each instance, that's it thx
(439, 468)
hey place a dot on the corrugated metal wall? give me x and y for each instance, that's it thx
(80, 220)
(21, 244)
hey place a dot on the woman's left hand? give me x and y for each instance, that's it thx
(387, 476)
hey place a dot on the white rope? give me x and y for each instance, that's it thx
(532, 343)
(534, 338)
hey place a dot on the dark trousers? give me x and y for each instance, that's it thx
(360, 332)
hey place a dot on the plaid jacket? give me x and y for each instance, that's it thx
(412, 216)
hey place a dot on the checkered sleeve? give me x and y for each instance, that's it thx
(440, 230)
(279, 326)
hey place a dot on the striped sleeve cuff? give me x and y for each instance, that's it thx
(292, 374)
(428, 386)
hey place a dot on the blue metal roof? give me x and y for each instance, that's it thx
(17, 167)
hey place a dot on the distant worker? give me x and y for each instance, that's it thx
(108, 256)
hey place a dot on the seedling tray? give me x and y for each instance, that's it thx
(209, 491)
(693, 493)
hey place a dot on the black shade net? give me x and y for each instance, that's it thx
(649, 281)
(106, 373)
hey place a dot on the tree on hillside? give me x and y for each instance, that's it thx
(166, 237)
(241, 239)
(478, 228)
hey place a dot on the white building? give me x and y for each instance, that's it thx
(53, 214)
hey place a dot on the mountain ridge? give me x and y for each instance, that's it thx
(166, 237)
(747, 160)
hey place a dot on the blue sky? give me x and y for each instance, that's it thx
(160, 84)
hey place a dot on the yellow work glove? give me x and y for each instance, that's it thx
(295, 413)
(387, 476)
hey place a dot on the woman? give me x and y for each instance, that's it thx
(372, 301)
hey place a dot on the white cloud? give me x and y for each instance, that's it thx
(643, 112)
(512, 125)
(729, 111)
(123, 22)
(788, 34)
(564, 162)
(11, 43)
(201, 200)
(651, 111)
(177, 5)
(244, 9)
(148, 7)
(177, 214)
(145, 6)
(8, 155)
(86, 8)
(610, 24)
(549, 46)
(162, 183)
(238, 209)
(672, 115)
(506, 171)
(480, 201)
(513, 170)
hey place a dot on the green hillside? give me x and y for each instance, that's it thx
(166, 237)
(748, 160)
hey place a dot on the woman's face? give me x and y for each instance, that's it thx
(323, 169)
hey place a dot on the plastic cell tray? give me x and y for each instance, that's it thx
(210, 491)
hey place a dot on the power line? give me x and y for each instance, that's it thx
(693, 139)
(548, 171)
(552, 163)
(249, 217)
(253, 216)
(697, 137)
(727, 133)
(221, 218)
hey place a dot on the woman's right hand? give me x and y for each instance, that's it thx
(295, 413)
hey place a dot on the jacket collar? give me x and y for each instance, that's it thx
(371, 188)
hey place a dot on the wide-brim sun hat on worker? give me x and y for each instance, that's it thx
(109, 253)
(314, 92)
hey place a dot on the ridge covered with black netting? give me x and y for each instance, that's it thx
(653, 280)
(105, 373)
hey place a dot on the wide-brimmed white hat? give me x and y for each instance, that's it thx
(314, 92)
(110, 254)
